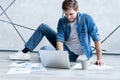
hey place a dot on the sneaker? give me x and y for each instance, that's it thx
(20, 56)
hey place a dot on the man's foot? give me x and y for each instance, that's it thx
(20, 56)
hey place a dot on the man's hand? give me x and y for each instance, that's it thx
(99, 62)
(99, 53)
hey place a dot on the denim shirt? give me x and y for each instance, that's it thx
(86, 29)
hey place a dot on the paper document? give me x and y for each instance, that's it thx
(19, 71)
(24, 64)
(91, 66)
(23, 67)
(76, 66)
(98, 67)
(41, 69)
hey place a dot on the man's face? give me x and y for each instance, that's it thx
(71, 14)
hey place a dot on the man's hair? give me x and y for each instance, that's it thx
(68, 4)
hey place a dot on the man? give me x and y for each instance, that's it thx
(73, 34)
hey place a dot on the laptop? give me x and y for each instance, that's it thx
(54, 59)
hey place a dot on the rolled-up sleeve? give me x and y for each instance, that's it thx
(60, 31)
(93, 29)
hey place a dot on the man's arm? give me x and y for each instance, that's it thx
(99, 53)
(59, 46)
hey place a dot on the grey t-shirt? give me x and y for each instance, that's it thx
(73, 42)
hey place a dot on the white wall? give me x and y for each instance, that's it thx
(31, 13)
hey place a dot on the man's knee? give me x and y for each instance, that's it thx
(47, 48)
(42, 25)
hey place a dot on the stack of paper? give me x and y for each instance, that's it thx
(22, 67)
(19, 71)
(98, 67)
(91, 67)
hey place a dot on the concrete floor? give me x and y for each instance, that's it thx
(62, 74)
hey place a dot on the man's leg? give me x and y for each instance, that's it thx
(42, 30)
(72, 56)
(48, 48)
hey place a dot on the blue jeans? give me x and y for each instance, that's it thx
(45, 30)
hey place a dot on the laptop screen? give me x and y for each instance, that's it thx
(54, 59)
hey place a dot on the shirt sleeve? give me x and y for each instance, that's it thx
(92, 29)
(60, 31)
